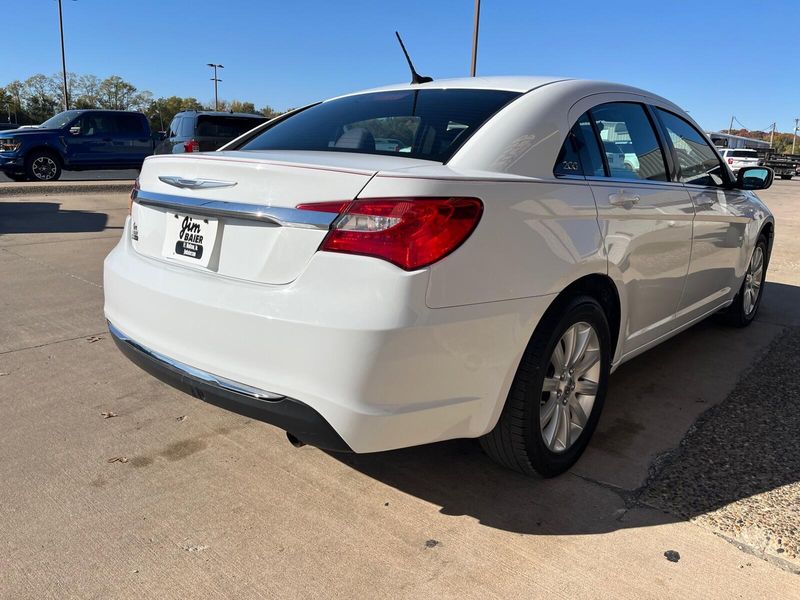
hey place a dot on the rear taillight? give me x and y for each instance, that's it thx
(191, 146)
(134, 191)
(410, 232)
(730, 161)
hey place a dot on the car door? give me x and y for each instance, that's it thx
(645, 218)
(87, 140)
(718, 257)
(131, 140)
(167, 145)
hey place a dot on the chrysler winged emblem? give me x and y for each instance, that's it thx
(195, 184)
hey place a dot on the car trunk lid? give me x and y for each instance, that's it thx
(233, 213)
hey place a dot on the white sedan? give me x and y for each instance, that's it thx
(480, 278)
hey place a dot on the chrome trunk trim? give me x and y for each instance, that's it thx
(274, 215)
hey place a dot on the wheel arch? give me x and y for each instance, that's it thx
(45, 148)
(768, 229)
(603, 289)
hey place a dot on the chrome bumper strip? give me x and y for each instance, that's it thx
(205, 376)
(275, 215)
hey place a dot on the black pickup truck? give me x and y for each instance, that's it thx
(784, 165)
(76, 140)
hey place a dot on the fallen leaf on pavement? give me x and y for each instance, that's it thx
(181, 418)
(122, 459)
(94, 338)
(108, 414)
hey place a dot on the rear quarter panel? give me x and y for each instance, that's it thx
(535, 237)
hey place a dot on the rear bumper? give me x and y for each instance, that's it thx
(289, 414)
(350, 344)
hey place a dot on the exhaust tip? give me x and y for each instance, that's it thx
(294, 441)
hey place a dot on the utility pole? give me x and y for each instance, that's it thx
(794, 135)
(63, 58)
(216, 81)
(730, 129)
(475, 37)
(772, 135)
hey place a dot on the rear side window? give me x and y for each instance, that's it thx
(128, 125)
(429, 123)
(225, 127)
(743, 154)
(186, 127)
(580, 154)
(697, 162)
(629, 142)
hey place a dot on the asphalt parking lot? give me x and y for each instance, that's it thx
(690, 487)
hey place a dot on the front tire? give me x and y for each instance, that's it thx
(557, 395)
(745, 305)
(42, 165)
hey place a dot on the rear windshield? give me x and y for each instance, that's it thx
(225, 127)
(428, 124)
(743, 154)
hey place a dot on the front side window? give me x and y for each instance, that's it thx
(580, 154)
(173, 127)
(630, 144)
(96, 124)
(697, 162)
(429, 124)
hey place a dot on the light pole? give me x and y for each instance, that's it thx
(63, 58)
(794, 135)
(475, 37)
(215, 80)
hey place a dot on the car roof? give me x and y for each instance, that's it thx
(512, 83)
(220, 113)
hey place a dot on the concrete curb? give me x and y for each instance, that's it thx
(65, 187)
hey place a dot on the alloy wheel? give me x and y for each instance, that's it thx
(44, 168)
(570, 387)
(753, 280)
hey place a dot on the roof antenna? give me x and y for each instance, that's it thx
(415, 77)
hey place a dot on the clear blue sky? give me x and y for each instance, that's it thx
(712, 57)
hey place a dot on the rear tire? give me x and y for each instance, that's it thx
(528, 436)
(786, 177)
(745, 305)
(42, 165)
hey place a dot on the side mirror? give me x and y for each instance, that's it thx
(754, 178)
(75, 130)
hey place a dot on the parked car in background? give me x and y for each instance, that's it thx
(481, 281)
(739, 157)
(203, 131)
(76, 140)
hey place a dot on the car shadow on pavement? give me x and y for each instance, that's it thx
(47, 217)
(689, 428)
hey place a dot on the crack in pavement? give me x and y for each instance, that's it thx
(44, 345)
(51, 267)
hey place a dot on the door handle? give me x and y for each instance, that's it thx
(622, 198)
